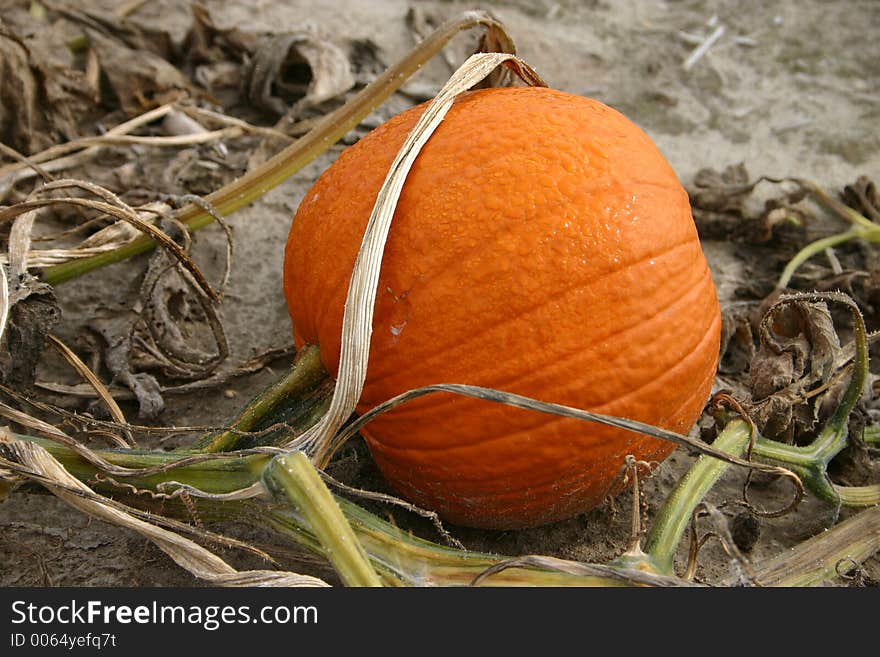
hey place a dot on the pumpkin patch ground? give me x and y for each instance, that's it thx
(767, 118)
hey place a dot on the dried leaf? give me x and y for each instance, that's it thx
(721, 208)
(32, 312)
(117, 333)
(166, 293)
(205, 43)
(140, 79)
(799, 352)
(42, 99)
(723, 191)
(737, 343)
(131, 34)
(863, 197)
(294, 71)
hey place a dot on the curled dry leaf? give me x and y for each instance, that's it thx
(156, 336)
(213, 56)
(42, 97)
(32, 312)
(723, 207)
(117, 333)
(863, 197)
(140, 79)
(294, 71)
(793, 373)
(737, 342)
(166, 307)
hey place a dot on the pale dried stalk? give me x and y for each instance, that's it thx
(32, 461)
(820, 558)
(106, 239)
(113, 206)
(48, 257)
(99, 387)
(4, 300)
(42, 428)
(20, 244)
(14, 173)
(200, 112)
(357, 324)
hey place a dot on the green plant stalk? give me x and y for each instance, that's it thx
(869, 233)
(218, 475)
(872, 434)
(399, 558)
(306, 375)
(674, 517)
(287, 162)
(858, 495)
(402, 559)
(293, 477)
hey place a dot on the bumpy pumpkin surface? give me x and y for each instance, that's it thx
(543, 246)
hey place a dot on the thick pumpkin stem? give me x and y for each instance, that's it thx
(294, 478)
(675, 515)
(304, 378)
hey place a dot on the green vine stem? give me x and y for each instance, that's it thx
(861, 227)
(857, 495)
(397, 557)
(217, 474)
(402, 559)
(304, 379)
(287, 162)
(294, 478)
(871, 234)
(674, 517)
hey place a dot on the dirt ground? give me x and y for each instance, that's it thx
(791, 88)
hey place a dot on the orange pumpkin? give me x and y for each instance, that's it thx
(542, 245)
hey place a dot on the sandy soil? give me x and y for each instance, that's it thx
(791, 88)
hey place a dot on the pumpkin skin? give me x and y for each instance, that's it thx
(542, 245)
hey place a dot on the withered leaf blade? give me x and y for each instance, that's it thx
(30, 321)
(722, 191)
(117, 333)
(140, 79)
(294, 71)
(797, 352)
(721, 208)
(42, 98)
